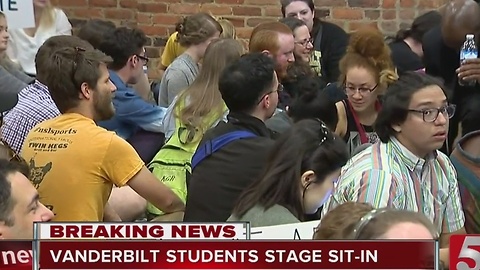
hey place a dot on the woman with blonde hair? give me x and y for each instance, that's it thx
(12, 79)
(24, 43)
(196, 109)
(365, 72)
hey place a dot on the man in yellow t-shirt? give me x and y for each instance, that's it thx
(73, 161)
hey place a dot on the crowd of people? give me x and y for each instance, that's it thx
(374, 138)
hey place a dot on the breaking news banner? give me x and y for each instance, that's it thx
(251, 254)
(465, 252)
(152, 231)
(16, 255)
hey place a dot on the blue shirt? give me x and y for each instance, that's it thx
(132, 112)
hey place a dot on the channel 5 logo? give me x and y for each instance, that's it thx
(465, 252)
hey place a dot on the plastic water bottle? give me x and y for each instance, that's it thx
(469, 51)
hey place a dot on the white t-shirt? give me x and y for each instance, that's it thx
(22, 48)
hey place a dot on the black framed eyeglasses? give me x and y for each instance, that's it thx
(76, 58)
(279, 89)
(143, 58)
(431, 115)
(350, 90)
(305, 42)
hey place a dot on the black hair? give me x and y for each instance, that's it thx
(292, 23)
(308, 145)
(121, 44)
(421, 25)
(7, 203)
(95, 30)
(311, 102)
(471, 115)
(244, 81)
(396, 101)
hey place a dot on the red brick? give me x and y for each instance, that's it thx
(144, 18)
(352, 26)
(406, 14)
(103, 3)
(128, 3)
(216, 9)
(272, 11)
(331, 3)
(252, 22)
(389, 14)
(247, 11)
(185, 9)
(152, 7)
(88, 13)
(389, 3)
(389, 27)
(72, 3)
(372, 14)
(237, 21)
(347, 14)
(427, 4)
(263, 3)
(119, 14)
(364, 3)
(165, 19)
(407, 3)
(230, 2)
(153, 30)
(244, 33)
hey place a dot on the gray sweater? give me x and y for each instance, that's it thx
(178, 76)
(259, 217)
(13, 81)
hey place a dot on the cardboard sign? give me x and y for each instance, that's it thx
(19, 13)
(295, 231)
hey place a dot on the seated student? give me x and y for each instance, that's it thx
(133, 115)
(465, 159)
(298, 177)
(76, 175)
(366, 71)
(329, 40)
(192, 113)
(195, 32)
(407, 49)
(24, 43)
(12, 78)
(20, 206)
(308, 102)
(35, 103)
(360, 221)
(249, 88)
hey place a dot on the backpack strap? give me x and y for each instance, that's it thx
(215, 144)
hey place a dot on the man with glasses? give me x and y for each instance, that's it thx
(133, 115)
(405, 170)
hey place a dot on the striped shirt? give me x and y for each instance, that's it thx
(389, 175)
(34, 106)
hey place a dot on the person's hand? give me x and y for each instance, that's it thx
(469, 70)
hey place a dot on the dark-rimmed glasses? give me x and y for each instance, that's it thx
(431, 115)
(144, 58)
(279, 89)
(350, 90)
(305, 42)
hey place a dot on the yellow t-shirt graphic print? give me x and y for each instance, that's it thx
(74, 165)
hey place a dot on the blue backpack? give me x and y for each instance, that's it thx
(215, 144)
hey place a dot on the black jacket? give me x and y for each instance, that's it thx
(218, 180)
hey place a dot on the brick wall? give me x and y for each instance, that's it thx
(157, 17)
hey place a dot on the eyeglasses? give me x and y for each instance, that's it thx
(431, 115)
(350, 90)
(76, 59)
(279, 89)
(305, 42)
(144, 58)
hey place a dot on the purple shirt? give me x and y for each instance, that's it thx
(34, 106)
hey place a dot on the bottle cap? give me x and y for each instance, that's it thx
(470, 36)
